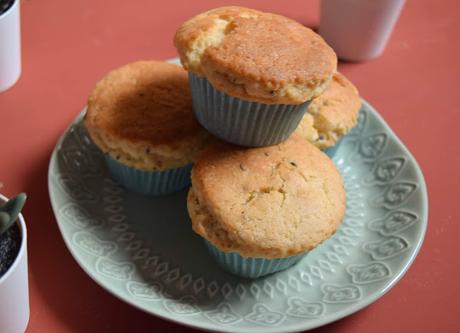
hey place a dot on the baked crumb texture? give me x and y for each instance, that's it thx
(141, 115)
(256, 56)
(271, 202)
(331, 115)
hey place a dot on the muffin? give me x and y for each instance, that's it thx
(332, 115)
(260, 210)
(140, 115)
(252, 74)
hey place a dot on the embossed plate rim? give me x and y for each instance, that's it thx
(294, 327)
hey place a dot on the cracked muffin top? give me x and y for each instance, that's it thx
(256, 56)
(141, 115)
(331, 115)
(270, 202)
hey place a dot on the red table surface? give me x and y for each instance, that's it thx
(69, 45)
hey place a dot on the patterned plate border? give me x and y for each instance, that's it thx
(333, 299)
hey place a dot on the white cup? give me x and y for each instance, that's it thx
(14, 288)
(10, 47)
(358, 30)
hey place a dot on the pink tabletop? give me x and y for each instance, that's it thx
(69, 45)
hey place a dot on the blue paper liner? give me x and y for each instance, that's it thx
(242, 122)
(149, 182)
(251, 267)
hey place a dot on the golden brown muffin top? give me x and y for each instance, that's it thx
(269, 202)
(141, 113)
(331, 115)
(256, 56)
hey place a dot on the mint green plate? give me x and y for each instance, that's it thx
(143, 250)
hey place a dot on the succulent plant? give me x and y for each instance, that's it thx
(10, 235)
(10, 210)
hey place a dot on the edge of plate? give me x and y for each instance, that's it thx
(287, 329)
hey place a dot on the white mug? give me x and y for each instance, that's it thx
(10, 46)
(358, 30)
(14, 288)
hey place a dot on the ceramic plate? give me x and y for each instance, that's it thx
(143, 250)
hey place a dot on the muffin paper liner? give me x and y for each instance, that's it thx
(251, 267)
(149, 182)
(241, 122)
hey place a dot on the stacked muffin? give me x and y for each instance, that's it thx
(261, 210)
(252, 74)
(140, 115)
(262, 196)
(332, 115)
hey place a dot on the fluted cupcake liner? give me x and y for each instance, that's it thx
(149, 182)
(241, 122)
(250, 267)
